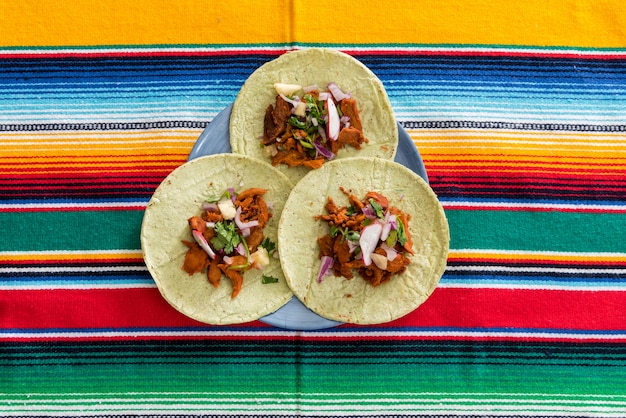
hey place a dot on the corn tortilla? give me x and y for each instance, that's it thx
(356, 301)
(306, 67)
(164, 225)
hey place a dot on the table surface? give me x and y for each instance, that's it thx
(518, 113)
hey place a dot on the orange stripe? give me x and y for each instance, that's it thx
(66, 257)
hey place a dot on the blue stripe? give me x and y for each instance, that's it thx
(564, 90)
(485, 279)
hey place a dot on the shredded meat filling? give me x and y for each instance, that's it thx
(342, 242)
(233, 265)
(298, 140)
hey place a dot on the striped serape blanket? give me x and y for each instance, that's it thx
(523, 139)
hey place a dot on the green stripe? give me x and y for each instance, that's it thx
(73, 230)
(506, 230)
(537, 231)
(311, 368)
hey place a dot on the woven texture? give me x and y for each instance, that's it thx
(518, 112)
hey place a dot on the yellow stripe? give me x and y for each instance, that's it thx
(534, 149)
(592, 139)
(578, 23)
(88, 160)
(69, 147)
(59, 153)
(464, 155)
(132, 168)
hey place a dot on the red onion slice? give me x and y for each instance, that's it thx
(243, 225)
(310, 88)
(369, 212)
(328, 154)
(337, 93)
(211, 207)
(391, 253)
(202, 242)
(325, 267)
(292, 102)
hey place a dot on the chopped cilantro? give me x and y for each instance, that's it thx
(377, 208)
(352, 235)
(239, 267)
(226, 237)
(402, 238)
(269, 246)
(268, 279)
(306, 144)
(345, 232)
(226, 195)
(296, 122)
(314, 107)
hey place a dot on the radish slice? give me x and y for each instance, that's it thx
(368, 241)
(325, 267)
(202, 242)
(333, 127)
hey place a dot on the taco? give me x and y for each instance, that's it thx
(169, 232)
(355, 299)
(365, 116)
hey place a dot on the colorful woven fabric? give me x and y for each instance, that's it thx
(518, 112)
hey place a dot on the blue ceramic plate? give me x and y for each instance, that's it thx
(215, 139)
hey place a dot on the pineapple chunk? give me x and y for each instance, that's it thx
(260, 258)
(287, 89)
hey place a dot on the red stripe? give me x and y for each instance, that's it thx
(470, 309)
